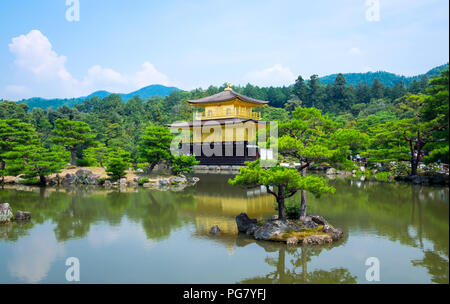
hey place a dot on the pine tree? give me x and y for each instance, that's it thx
(183, 164)
(25, 154)
(377, 89)
(97, 155)
(155, 145)
(42, 162)
(301, 90)
(74, 136)
(118, 163)
(315, 92)
(279, 181)
(14, 138)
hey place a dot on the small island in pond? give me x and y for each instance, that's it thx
(312, 229)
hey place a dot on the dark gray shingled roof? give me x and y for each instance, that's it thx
(226, 95)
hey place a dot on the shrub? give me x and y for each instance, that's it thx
(345, 164)
(143, 180)
(84, 162)
(401, 168)
(383, 176)
(431, 169)
(102, 180)
(183, 164)
(292, 210)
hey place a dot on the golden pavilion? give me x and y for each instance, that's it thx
(224, 133)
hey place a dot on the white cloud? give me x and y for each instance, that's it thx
(274, 76)
(149, 74)
(45, 73)
(34, 255)
(34, 53)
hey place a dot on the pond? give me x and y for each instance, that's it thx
(148, 236)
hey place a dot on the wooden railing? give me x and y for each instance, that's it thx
(222, 114)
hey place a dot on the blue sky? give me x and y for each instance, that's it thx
(121, 46)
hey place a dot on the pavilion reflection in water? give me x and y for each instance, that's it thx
(222, 206)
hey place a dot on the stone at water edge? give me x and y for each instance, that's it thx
(251, 230)
(335, 233)
(244, 222)
(5, 213)
(318, 219)
(180, 179)
(123, 181)
(82, 173)
(317, 239)
(92, 179)
(330, 171)
(215, 230)
(107, 183)
(292, 241)
(22, 216)
(193, 180)
(271, 229)
(163, 182)
(69, 179)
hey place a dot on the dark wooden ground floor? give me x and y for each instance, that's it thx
(222, 153)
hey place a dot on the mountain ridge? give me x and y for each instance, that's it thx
(387, 78)
(145, 92)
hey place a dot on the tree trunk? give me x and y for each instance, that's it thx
(303, 199)
(281, 206)
(304, 259)
(150, 168)
(281, 265)
(2, 167)
(42, 180)
(74, 158)
(414, 167)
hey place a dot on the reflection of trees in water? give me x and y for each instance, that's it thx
(291, 266)
(413, 215)
(436, 265)
(74, 213)
(388, 208)
(400, 212)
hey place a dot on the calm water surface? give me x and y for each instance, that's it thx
(147, 236)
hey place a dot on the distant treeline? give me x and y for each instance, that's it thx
(393, 86)
(121, 124)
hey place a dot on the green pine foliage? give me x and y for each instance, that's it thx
(97, 155)
(155, 145)
(281, 182)
(118, 163)
(74, 136)
(183, 164)
(22, 152)
(319, 121)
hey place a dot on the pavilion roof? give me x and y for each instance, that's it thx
(227, 95)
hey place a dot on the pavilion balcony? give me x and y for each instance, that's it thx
(222, 114)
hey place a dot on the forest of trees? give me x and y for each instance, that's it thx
(397, 123)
